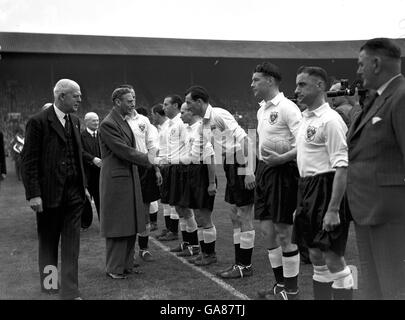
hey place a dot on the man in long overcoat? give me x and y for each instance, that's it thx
(122, 210)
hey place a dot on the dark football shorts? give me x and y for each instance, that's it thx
(149, 187)
(276, 192)
(165, 187)
(174, 184)
(196, 191)
(314, 194)
(235, 191)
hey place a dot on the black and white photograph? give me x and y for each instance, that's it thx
(207, 156)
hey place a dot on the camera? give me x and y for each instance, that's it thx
(348, 90)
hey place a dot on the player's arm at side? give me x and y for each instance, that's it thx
(212, 186)
(250, 155)
(331, 218)
(294, 118)
(337, 148)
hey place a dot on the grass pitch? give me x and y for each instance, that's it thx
(165, 278)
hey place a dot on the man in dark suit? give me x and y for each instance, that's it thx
(54, 184)
(122, 208)
(3, 170)
(376, 172)
(92, 164)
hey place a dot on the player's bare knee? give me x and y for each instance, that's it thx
(265, 228)
(284, 237)
(180, 211)
(234, 217)
(334, 262)
(199, 219)
(246, 223)
(316, 257)
(187, 213)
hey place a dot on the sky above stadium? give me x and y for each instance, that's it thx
(265, 20)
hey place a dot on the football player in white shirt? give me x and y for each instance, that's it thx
(169, 213)
(200, 187)
(233, 144)
(321, 220)
(277, 178)
(154, 136)
(176, 180)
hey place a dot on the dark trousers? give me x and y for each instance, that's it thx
(61, 222)
(120, 254)
(93, 188)
(382, 261)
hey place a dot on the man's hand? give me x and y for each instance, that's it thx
(159, 178)
(250, 182)
(163, 161)
(272, 158)
(3, 176)
(331, 220)
(97, 162)
(36, 204)
(87, 194)
(212, 189)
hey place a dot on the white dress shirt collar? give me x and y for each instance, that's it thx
(60, 114)
(91, 132)
(385, 85)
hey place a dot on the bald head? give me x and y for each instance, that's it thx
(91, 121)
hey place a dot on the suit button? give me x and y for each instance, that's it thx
(63, 163)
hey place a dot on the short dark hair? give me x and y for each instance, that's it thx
(382, 46)
(198, 92)
(143, 111)
(270, 70)
(119, 92)
(175, 98)
(158, 108)
(315, 71)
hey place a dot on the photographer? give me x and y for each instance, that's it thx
(342, 104)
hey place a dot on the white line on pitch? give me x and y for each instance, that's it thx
(210, 276)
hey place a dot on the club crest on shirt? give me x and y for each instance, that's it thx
(142, 127)
(273, 117)
(173, 132)
(310, 135)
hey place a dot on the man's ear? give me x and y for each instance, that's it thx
(321, 85)
(377, 62)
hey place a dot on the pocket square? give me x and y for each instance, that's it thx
(375, 120)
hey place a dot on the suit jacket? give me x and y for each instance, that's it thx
(376, 172)
(91, 149)
(3, 168)
(44, 157)
(122, 209)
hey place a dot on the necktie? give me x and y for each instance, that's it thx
(67, 126)
(368, 103)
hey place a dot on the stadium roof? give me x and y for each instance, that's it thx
(110, 45)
